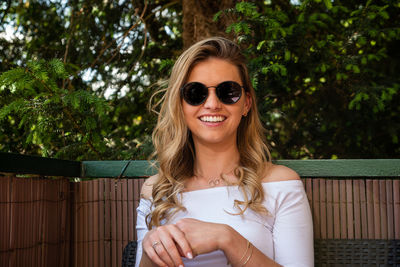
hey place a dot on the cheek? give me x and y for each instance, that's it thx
(189, 113)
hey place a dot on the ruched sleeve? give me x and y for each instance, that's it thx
(142, 210)
(293, 227)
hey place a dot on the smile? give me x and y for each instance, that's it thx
(212, 118)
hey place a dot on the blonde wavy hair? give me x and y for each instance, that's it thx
(174, 148)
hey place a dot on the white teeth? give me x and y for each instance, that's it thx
(212, 118)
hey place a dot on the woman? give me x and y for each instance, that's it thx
(217, 198)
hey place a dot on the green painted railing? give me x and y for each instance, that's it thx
(339, 168)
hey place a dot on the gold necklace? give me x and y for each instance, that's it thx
(213, 182)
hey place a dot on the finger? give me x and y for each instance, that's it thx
(153, 256)
(182, 242)
(162, 253)
(171, 249)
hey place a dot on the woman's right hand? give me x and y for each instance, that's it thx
(165, 245)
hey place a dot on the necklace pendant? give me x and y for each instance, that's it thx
(214, 182)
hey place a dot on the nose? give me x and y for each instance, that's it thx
(212, 101)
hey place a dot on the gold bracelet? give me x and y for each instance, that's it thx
(247, 249)
(248, 258)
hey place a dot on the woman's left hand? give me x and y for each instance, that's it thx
(203, 237)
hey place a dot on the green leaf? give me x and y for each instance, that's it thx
(217, 15)
(260, 44)
(328, 4)
(287, 55)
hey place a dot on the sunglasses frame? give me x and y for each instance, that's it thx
(216, 91)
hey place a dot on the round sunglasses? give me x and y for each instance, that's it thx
(196, 93)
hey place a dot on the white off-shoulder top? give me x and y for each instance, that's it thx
(285, 235)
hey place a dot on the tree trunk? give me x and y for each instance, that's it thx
(198, 20)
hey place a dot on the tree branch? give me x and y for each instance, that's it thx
(5, 11)
(127, 32)
(123, 37)
(69, 114)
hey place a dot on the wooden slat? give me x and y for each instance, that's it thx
(316, 208)
(107, 222)
(131, 210)
(114, 225)
(27, 219)
(35, 222)
(329, 209)
(101, 223)
(370, 210)
(21, 221)
(358, 224)
(9, 221)
(90, 222)
(336, 209)
(396, 204)
(44, 232)
(77, 229)
(38, 232)
(349, 209)
(323, 206)
(87, 226)
(81, 225)
(13, 222)
(19, 227)
(3, 218)
(343, 214)
(120, 218)
(4, 210)
(70, 224)
(52, 224)
(125, 222)
(363, 203)
(61, 220)
(377, 219)
(308, 182)
(27, 208)
(30, 216)
(76, 224)
(383, 211)
(40, 237)
(389, 211)
(136, 199)
(55, 218)
(65, 223)
(96, 220)
(16, 221)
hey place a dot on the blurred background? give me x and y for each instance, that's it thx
(76, 76)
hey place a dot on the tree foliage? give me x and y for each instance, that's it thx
(112, 50)
(326, 75)
(77, 75)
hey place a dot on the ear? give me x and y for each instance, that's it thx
(247, 104)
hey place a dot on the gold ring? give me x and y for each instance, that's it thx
(155, 243)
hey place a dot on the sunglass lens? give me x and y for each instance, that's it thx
(229, 92)
(194, 93)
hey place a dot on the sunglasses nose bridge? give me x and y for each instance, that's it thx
(212, 101)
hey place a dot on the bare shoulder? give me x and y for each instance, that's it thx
(147, 187)
(277, 173)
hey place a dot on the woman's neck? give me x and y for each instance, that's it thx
(213, 161)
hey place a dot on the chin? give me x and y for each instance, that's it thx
(215, 140)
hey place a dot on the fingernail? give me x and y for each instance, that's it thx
(189, 255)
(181, 265)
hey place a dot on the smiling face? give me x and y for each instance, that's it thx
(213, 122)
